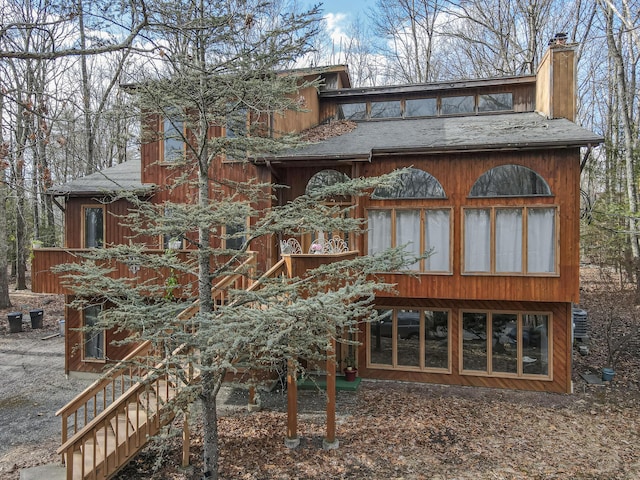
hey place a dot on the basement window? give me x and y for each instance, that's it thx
(508, 344)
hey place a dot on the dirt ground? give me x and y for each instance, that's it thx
(397, 430)
(33, 385)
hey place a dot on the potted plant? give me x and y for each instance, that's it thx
(350, 370)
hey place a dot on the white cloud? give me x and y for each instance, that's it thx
(336, 23)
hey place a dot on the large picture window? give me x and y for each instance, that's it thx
(93, 340)
(510, 240)
(506, 343)
(418, 230)
(411, 339)
(93, 229)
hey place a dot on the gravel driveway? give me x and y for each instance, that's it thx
(33, 387)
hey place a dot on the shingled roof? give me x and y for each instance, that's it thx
(124, 177)
(429, 135)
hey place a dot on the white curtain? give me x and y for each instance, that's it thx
(509, 240)
(541, 240)
(408, 233)
(437, 232)
(379, 237)
(477, 240)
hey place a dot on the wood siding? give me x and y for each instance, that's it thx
(556, 84)
(304, 119)
(457, 173)
(46, 281)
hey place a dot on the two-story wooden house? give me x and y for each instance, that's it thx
(492, 193)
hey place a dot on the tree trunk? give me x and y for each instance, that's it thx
(90, 165)
(625, 112)
(209, 426)
(5, 301)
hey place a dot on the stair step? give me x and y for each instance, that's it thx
(121, 427)
(88, 448)
(137, 415)
(107, 444)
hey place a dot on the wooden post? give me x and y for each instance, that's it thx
(330, 442)
(253, 405)
(186, 440)
(292, 440)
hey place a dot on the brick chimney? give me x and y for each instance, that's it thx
(556, 80)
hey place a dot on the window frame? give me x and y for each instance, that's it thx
(242, 132)
(163, 119)
(224, 239)
(520, 314)
(493, 240)
(85, 340)
(423, 240)
(476, 95)
(83, 227)
(421, 335)
(443, 98)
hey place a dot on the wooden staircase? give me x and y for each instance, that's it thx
(105, 426)
(112, 420)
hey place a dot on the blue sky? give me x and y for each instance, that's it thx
(339, 14)
(348, 7)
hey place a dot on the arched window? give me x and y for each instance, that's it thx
(325, 178)
(413, 183)
(510, 181)
(315, 188)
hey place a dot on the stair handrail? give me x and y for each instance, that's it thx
(143, 383)
(90, 394)
(223, 284)
(137, 437)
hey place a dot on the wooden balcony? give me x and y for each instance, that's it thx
(298, 264)
(44, 280)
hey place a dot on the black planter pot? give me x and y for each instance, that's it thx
(15, 322)
(36, 318)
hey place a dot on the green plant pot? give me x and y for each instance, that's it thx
(608, 374)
